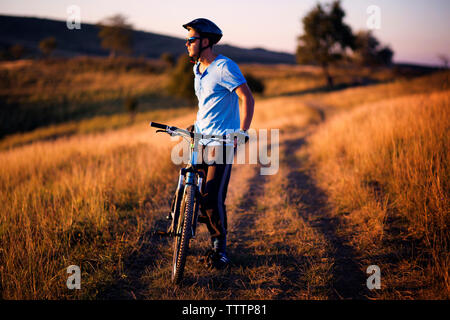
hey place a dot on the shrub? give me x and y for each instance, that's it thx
(181, 83)
(17, 51)
(256, 85)
(47, 46)
(168, 59)
(131, 104)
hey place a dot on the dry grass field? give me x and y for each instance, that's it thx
(359, 183)
(71, 93)
(385, 168)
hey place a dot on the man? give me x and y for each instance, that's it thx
(219, 85)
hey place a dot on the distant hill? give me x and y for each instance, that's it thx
(30, 31)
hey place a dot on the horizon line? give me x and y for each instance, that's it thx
(425, 64)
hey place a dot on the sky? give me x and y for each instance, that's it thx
(417, 30)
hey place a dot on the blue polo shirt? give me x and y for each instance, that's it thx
(218, 104)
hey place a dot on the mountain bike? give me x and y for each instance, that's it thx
(183, 215)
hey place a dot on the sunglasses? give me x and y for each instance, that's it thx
(192, 39)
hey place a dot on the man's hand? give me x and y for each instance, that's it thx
(191, 128)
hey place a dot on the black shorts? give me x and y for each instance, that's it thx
(216, 164)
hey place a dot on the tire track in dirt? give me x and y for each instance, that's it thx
(273, 267)
(284, 256)
(348, 281)
(279, 256)
(282, 241)
(293, 239)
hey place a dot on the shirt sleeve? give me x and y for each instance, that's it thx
(232, 76)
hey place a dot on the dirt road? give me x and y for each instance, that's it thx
(283, 243)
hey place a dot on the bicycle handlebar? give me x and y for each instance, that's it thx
(158, 125)
(171, 130)
(174, 130)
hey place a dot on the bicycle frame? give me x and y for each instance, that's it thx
(188, 176)
(185, 205)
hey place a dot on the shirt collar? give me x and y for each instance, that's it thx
(197, 66)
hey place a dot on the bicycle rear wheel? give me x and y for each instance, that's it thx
(183, 234)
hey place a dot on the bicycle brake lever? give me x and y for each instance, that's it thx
(161, 131)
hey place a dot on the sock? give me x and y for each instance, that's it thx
(219, 244)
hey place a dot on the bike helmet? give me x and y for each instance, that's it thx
(206, 28)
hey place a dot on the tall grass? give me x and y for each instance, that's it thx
(88, 200)
(42, 93)
(82, 201)
(87, 126)
(300, 79)
(390, 160)
(353, 97)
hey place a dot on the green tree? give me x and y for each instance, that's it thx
(47, 46)
(326, 37)
(385, 55)
(369, 52)
(116, 35)
(181, 83)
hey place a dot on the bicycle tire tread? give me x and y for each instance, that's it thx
(185, 234)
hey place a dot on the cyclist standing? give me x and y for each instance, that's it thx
(219, 85)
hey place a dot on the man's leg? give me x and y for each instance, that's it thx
(217, 178)
(214, 195)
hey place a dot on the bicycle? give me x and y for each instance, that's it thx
(183, 215)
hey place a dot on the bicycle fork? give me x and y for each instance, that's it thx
(190, 180)
(186, 177)
(198, 196)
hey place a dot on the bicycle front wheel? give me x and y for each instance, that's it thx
(183, 234)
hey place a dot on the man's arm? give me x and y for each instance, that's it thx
(247, 105)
